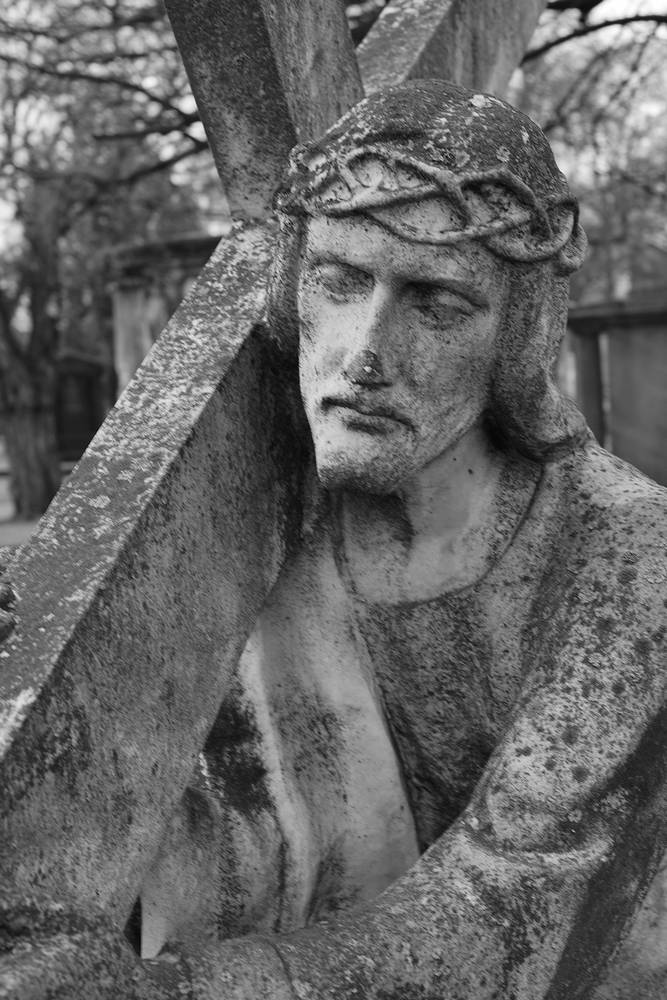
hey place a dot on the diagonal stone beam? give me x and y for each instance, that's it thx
(266, 74)
(316, 61)
(150, 567)
(477, 44)
(138, 591)
(148, 571)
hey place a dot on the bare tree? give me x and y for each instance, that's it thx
(597, 89)
(98, 122)
(96, 112)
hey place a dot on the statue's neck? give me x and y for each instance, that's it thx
(441, 530)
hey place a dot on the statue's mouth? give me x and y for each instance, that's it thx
(362, 408)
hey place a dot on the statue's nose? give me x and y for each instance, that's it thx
(365, 368)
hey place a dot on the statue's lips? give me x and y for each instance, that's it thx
(365, 415)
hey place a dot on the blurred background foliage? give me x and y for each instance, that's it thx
(601, 97)
(101, 145)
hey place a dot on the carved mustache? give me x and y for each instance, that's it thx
(361, 403)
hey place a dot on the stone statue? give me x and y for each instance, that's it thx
(441, 771)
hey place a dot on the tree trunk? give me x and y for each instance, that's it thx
(27, 369)
(28, 425)
(34, 472)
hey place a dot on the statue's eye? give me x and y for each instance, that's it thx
(437, 302)
(341, 281)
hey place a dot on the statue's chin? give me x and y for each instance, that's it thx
(359, 473)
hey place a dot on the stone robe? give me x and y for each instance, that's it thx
(494, 759)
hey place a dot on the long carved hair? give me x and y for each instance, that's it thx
(494, 167)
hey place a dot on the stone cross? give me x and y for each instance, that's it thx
(148, 571)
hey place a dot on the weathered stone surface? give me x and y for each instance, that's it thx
(137, 592)
(323, 81)
(50, 951)
(7, 599)
(489, 578)
(266, 73)
(478, 45)
(511, 680)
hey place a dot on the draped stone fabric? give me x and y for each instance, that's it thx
(513, 731)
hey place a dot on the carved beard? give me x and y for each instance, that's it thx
(351, 455)
(378, 464)
(345, 469)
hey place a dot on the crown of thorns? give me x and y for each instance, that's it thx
(493, 205)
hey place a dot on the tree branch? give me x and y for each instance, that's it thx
(143, 133)
(588, 29)
(198, 146)
(591, 70)
(653, 190)
(624, 83)
(149, 16)
(74, 74)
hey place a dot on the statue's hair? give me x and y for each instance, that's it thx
(494, 167)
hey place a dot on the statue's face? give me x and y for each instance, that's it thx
(397, 344)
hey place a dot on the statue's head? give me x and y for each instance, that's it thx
(426, 243)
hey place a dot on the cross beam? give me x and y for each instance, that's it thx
(138, 591)
(478, 45)
(150, 567)
(265, 75)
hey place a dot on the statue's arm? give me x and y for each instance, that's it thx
(527, 894)
(523, 897)
(471, 919)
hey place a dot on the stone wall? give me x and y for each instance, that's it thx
(151, 279)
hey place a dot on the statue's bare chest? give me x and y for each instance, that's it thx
(448, 673)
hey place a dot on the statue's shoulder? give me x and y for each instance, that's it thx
(606, 484)
(622, 514)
